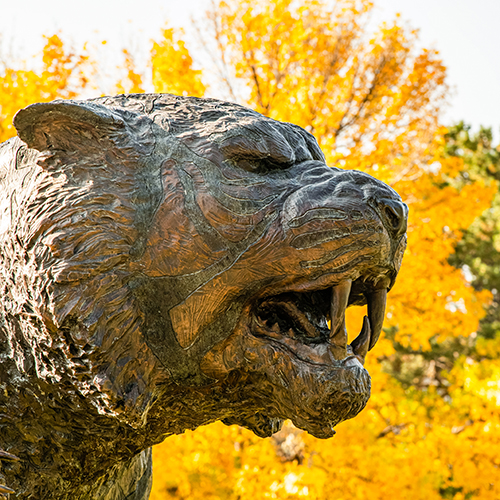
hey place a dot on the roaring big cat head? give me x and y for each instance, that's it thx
(200, 255)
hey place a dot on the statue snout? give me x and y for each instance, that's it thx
(394, 214)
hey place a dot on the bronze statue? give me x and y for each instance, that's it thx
(166, 262)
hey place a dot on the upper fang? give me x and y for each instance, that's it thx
(361, 342)
(338, 333)
(376, 313)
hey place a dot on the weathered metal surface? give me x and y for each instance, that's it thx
(166, 262)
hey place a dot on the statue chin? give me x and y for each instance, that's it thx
(258, 423)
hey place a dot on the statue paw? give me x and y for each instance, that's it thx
(5, 490)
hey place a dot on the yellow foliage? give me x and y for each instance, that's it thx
(61, 76)
(317, 67)
(173, 67)
(133, 81)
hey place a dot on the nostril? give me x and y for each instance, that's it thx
(395, 214)
(393, 218)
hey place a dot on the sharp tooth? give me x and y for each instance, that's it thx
(362, 341)
(376, 313)
(5, 489)
(338, 333)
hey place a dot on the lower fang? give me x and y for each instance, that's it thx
(361, 343)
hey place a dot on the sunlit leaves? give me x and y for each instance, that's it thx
(317, 66)
(407, 444)
(172, 66)
(61, 74)
(132, 83)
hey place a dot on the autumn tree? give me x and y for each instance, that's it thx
(172, 66)
(357, 92)
(478, 253)
(133, 81)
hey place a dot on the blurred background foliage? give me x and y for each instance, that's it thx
(373, 98)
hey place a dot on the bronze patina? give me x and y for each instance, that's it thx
(166, 262)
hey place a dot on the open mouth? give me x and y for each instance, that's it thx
(318, 317)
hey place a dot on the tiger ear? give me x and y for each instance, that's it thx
(64, 125)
